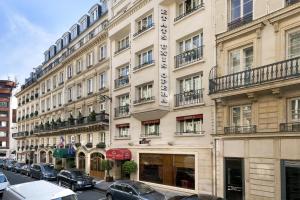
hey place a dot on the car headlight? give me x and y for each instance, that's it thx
(79, 182)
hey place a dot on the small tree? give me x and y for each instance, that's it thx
(107, 165)
(71, 119)
(92, 116)
(129, 167)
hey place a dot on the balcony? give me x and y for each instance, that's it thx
(122, 49)
(289, 127)
(290, 2)
(150, 135)
(122, 111)
(188, 57)
(121, 82)
(189, 133)
(122, 137)
(142, 65)
(240, 21)
(73, 123)
(20, 134)
(144, 100)
(189, 98)
(189, 11)
(240, 129)
(279, 71)
(145, 28)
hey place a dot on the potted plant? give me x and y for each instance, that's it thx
(31, 147)
(31, 97)
(36, 113)
(71, 119)
(107, 165)
(101, 145)
(36, 147)
(27, 116)
(78, 144)
(89, 145)
(92, 116)
(47, 125)
(129, 167)
(53, 124)
(41, 126)
(80, 118)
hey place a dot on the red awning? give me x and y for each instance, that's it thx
(118, 154)
(157, 121)
(123, 125)
(182, 118)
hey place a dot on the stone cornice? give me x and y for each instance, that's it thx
(136, 6)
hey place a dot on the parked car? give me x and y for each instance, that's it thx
(132, 190)
(8, 165)
(196, 197)
(2, 163)
(43, 171)
(74, 179)
(17, 166)
(38, 190)
(25, 169)
(4, 183)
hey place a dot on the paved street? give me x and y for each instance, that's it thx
(15, 178)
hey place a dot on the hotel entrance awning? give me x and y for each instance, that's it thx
(118, 154)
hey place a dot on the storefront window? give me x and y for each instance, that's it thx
(168, 169)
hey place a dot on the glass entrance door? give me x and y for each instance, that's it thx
(234, 179)
(290, 180)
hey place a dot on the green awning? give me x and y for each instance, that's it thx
(64, 153)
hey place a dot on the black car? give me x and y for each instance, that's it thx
(25, 169)
(132, 190)
(74, 179)
(196, 197)
(17, 166)
(8, 165)
(43, 171)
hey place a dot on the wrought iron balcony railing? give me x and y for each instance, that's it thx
(148, 135)
(289, 127)
(122, 48)
(240, 129)
(189, 98)
(121, 82)
(283, 70)
(72, 123)
(144, 100)
(189, 11)
(145, 28)
(188, 57)
(143, 64)
(122, 137)
(20, 134)
(290, 2)
(122, 111)
(240, 21)
(189, 133)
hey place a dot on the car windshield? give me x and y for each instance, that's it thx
(70, 197)
(77, 174)
(48, 167)
(2, 179)
(142, 188)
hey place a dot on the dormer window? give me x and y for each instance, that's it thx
(83, 23)
(74, 32)
(52, 51)
(66, 39)
(94, 15)
(58, 45)
(47, 56)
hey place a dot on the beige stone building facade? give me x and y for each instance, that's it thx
(255, 86)
(155, 95)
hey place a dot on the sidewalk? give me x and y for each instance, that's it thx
(103, 185)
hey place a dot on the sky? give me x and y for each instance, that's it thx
(30, 27)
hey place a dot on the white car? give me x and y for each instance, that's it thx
(3, 182)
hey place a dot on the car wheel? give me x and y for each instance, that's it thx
(73, 187)
(109, 197)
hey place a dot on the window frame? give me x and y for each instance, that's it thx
(242, 116)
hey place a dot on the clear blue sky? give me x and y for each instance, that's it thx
(29, 27)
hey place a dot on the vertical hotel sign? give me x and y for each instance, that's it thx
(163, 57)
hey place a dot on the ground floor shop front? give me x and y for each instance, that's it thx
(258, 168)
(181, 169)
